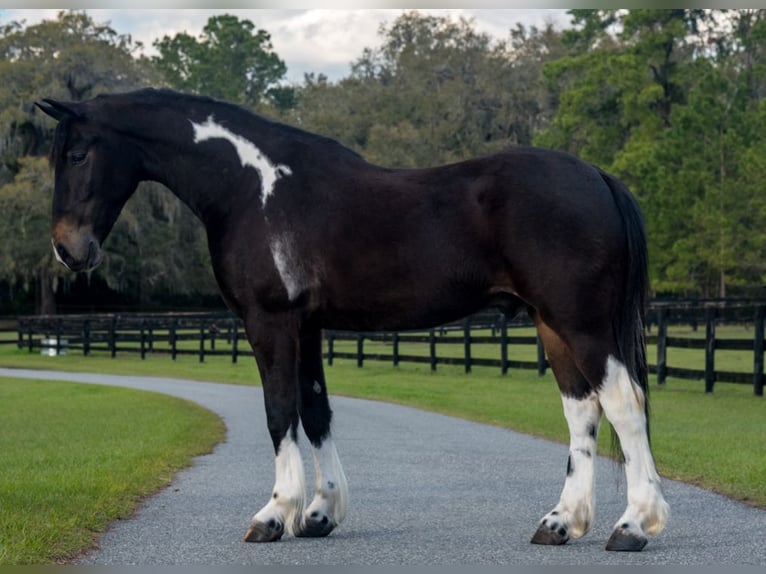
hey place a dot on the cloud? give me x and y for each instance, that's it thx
(317, 40)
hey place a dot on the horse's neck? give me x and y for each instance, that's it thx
(179, 159)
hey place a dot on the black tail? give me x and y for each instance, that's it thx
(629, 323)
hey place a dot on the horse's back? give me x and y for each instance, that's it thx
(428, 245)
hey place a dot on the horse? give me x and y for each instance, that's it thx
(305, 234)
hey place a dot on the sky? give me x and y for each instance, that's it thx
(323, 41)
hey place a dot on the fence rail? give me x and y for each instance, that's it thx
(199, 333)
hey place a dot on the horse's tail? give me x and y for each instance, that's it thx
(629, 321)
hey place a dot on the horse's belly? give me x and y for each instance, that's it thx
(410, 305)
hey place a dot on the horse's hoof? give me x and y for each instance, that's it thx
(550, 534)
(265, 532)
(624, 541)
(316, 526)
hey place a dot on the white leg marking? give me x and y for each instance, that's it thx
(248, 153)
(574, 513)
(331, 494)
(289, 495)
(623, 403)
(288, 266)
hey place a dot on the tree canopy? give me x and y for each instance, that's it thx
(671, 101)
(230, 60)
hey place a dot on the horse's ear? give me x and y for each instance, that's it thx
(59, 110)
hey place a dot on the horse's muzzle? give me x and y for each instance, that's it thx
(86, 258)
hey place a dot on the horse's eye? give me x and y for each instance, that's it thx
(78, 157)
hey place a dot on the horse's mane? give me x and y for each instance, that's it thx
(168, 97)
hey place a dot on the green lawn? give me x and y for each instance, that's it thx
(75, 457)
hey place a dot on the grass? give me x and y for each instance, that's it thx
(75, 457)
(713, 440)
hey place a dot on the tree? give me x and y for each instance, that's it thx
(25, 251)
(665, 99)
(707, 208)
(230, 60)
(70, 58)
(156, 246)
(435, 91)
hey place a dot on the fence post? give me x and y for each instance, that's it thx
(503, 344)
(467, 344)
(58, 337)
(151, 338)
(432, 348)
(86, 337)
(360, 350)
(29, 337)
(173, 339)
(201, 340)
(143, 339)
(758, 352)
(330, 347)
(234, 338)
(540, 357)
(20, 327)
(710, 315)
(662, 346)
(113, 336)
(396, 348)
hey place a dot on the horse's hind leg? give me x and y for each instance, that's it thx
(275, 343)
(623, 402)
(573, 516)
(328, 508)
(647, 511)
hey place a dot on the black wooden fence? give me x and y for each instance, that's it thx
(710, 315)
(197, 334)
(171, 334)
(461, 334)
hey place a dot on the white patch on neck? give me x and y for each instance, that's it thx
(249, 155)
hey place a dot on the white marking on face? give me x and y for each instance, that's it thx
(249, 155)
(289, 493)
(56, 254)
(317, 387)
(288, 266)
(623, 403)
(331, 495)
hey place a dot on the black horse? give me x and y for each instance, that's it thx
(305, 234)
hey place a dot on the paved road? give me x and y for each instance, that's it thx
(425, 489)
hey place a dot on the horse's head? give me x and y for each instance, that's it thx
(96, 171)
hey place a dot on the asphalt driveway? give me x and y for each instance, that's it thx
(424, 489)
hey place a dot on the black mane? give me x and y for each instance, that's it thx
(164, 97)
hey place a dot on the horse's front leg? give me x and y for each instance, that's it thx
(275, 344)
(328, 508)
